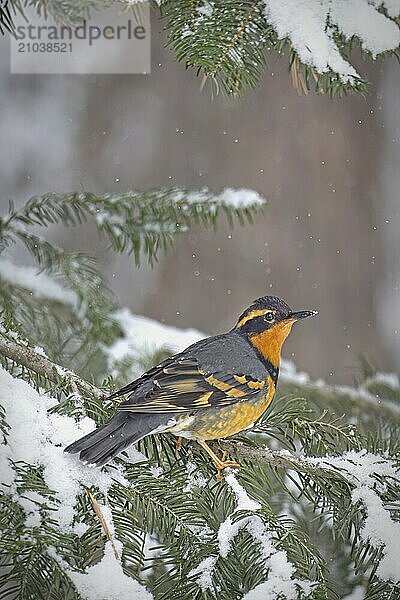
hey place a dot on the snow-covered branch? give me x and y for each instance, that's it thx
(359, 478)
(315, 26)
(39, 363)
(226, 41)
(279, 459)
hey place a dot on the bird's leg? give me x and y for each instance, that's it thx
(178, 445)
(220, 464)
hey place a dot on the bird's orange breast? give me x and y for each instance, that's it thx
(222, 422)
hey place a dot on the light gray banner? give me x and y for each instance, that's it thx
(113, 40)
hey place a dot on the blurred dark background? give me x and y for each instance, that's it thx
(329, 238)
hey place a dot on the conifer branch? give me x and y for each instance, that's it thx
(139, 223)
(278, 459)
(134, 222)
(311, 493)
(227, 41)
(163, 507)
(44, 367)
(365, 398)
(33, 361)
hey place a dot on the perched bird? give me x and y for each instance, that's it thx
(213, 389)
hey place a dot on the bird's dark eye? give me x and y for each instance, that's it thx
(269, 317)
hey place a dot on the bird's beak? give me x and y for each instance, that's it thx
(303, 314)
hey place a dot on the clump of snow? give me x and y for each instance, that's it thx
(40, 350)
(357, 594)
(310, 26)
(244, 502)
(381, 531)
(194, 477)
(134, 455)
(365, 471)
(281, 582)
(186, 31)
(156, 471)
(205, 9)
(31, 502)
(304, 24)
(360, 468)
(359, 17)
(229, 197)
(42, 286)
(241, 198)
(106, 579)
(80, 528)
(289, 373)
(38, 437)
(229, 529)
(205, 571)
(143, 335)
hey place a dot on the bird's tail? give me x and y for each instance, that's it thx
(105, 442)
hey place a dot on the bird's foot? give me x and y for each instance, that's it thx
(220, 463)
(178, 444)
(225, 464)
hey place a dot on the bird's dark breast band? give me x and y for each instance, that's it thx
(272, 371)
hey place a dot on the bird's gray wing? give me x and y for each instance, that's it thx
(213, 373)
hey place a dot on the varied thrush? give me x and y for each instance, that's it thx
(213, 389)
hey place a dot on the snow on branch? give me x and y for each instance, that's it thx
(368, 475)
(107, 579)
(38, 283)
(135, 221)
(226, 40)
(144, 336)
(21, 354)
(281, 581)
(37, 437)
(37, 434)
(314, 28)
(364, 395)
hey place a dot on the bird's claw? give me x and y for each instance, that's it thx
(220, 463)
(225, 464)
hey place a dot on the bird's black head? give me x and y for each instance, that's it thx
(267, 313)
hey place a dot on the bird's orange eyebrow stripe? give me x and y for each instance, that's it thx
(251, 315)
